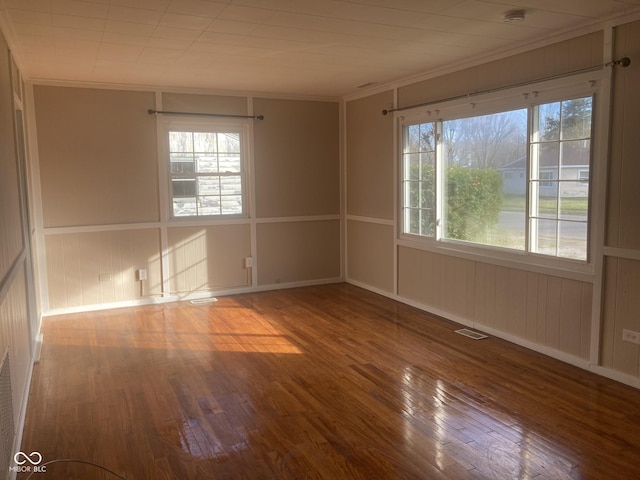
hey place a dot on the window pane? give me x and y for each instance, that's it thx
(204, 142)
(209, 186)
(209, 205)
(427, 222)
(413, 225)
(572, 239)
(545, 158)
(230, 185)
(427, 161)
(549, 121)
(427, 137)
(229, 142)
(413, 197)
(509, 231)
(544, 234)
(181, 163)
(576, 118)
(207, 163)
(412, 161)
(574, 157)
(184, 187)
(412, 142)
(230, 163)
(184, 207)
(545, 205)
(231, 204)
(478, 205)
(180, 142)
(571, 206)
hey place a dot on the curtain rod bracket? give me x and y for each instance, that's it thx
(151, 111)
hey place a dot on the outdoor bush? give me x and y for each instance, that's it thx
(474, 201)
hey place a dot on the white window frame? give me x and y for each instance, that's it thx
(577, 86)
(206, 125)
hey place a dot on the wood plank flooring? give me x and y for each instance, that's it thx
(328, 382)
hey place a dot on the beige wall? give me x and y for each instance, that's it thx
(99, 173)
(194, 103)
(298, 251)
(623, 219)
(370, 154)
(297, 162)
(98, 156)
(208, 258)
(570, 55)
(99, 267)
(370, 252)
(622, 275)
(621, 311)
(550, 311)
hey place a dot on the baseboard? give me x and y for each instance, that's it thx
(37, 348)
(196, 295)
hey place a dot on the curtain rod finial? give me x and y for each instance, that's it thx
(623, 62)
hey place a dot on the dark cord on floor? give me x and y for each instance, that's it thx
(72, 460)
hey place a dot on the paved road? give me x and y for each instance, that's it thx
(515, 221)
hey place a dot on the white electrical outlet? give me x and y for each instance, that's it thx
(631, 336)
(141, 274)
(248, 262)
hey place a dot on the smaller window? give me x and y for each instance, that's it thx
(206, 169)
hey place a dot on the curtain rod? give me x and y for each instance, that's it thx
(151, 111)
(623, 62)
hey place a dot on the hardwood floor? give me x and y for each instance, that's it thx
(328, 382)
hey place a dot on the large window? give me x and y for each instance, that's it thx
(206, 171)
(515, 179)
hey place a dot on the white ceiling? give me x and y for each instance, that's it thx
(307, 47)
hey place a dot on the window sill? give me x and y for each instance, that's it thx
(557, 267)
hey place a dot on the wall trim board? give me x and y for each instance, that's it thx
(502, 262)
(168, 89)
(550, 352)
(622, 253)
(310, 218)
(195, 295)
(377, 221)
(597, 226)
(101, 228)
